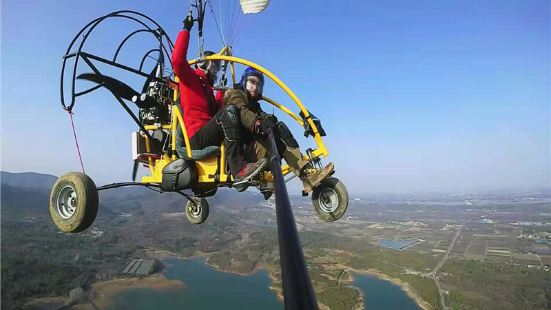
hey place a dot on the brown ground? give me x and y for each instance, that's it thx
(101, 293)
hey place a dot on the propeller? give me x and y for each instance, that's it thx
(135, 170)
(115, 86)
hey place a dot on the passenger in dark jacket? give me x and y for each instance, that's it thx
(257, 123)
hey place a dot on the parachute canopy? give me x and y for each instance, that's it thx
(253, 6)
(229, 15)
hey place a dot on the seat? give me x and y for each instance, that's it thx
(195, 154)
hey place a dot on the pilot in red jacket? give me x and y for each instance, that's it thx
(208, 122)
(196, 93)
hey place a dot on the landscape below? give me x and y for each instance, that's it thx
(485, 251)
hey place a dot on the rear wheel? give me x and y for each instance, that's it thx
(330, 199)
(197, 210)
(74, 202)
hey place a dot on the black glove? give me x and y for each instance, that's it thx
(268, 124)
(188, 22)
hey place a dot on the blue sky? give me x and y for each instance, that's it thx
(415, 96)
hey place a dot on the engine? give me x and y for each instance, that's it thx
(155, 103)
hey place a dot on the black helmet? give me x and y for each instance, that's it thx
(211, 67)
(204, 64)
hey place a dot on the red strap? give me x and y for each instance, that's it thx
(76, 140)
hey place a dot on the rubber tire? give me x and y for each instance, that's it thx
(342, 196)
(86, 203)
(203, 205)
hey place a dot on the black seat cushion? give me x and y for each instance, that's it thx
(195, 154)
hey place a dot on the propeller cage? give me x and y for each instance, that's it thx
(153, 101)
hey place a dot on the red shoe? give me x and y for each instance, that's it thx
(249, 171)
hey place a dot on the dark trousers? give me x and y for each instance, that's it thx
(211, 134)
(257, 146)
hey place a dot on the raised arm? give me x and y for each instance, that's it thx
(180, 65)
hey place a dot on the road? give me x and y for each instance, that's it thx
(433, 273)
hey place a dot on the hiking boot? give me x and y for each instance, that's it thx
(249, 171)
(312, 177)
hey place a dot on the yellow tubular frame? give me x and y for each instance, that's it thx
(284, 109)
(321, 150)
(208, 166)
(177, 117)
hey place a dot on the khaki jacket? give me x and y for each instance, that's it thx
(250, 110)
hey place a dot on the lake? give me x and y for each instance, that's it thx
(383, 294)
(207, 288)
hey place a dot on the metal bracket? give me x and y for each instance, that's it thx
(314, 161)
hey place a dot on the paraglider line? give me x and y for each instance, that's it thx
(76, 140)
(236, 31)
(216, 22)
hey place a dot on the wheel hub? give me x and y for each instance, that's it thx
(66, 202)
(329, 200)
(196, 210)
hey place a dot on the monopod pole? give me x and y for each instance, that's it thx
(297, 287)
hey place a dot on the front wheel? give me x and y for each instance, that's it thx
(330, 199)
(74, 202)
(197, 210)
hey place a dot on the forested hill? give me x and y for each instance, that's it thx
(38, 260)
(29, 180)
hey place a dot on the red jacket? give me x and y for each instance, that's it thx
(194, 88)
